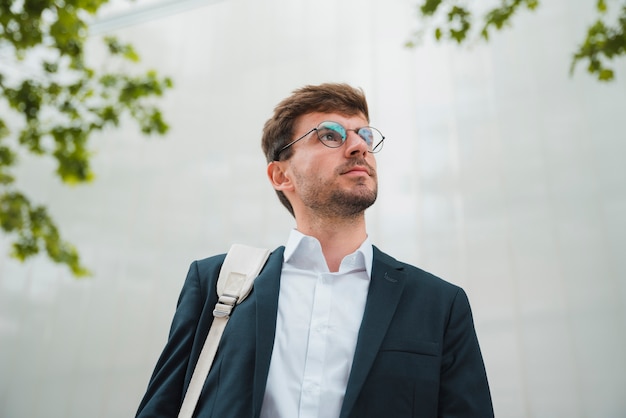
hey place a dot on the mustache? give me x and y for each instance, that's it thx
(357, 162)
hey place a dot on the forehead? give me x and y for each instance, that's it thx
(309, 121)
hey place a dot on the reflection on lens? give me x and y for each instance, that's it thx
(331, 134)
(368, 135)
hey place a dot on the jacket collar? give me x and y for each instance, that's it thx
(266, 288)
(387, 284)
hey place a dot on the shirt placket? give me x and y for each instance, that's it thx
(316, 348)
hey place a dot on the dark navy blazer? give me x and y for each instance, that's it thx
(417, 353)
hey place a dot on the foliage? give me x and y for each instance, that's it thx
(51, 102)
(454, 21)
(602, 43)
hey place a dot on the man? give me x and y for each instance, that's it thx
(333, 327)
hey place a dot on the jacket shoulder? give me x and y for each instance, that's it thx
(415, 275)
(207, 269)
(209, 263)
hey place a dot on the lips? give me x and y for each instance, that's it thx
(357, 168)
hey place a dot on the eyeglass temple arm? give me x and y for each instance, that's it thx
(291, 143)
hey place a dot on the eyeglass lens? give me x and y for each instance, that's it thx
(333, 134)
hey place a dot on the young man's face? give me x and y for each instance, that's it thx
(332, 181)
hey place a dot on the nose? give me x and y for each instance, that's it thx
(355, 145)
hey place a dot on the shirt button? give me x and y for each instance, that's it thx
(311, 387)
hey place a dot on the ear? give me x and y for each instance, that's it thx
(279, 179)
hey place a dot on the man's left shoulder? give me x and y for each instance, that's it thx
(415, 276)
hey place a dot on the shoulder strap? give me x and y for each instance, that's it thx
(241, 266)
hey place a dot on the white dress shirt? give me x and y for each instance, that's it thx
(318, 321)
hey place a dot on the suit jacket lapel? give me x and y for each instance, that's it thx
(266, 289)
(386, 287)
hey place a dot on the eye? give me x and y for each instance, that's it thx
(329, 135)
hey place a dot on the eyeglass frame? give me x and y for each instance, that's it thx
(374, 150)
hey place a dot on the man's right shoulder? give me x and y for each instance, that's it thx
(207, 267)
(218, 258)
(210, 266)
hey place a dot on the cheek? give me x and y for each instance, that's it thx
(314, 165)
(371, 160)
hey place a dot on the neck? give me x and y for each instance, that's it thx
(338, 237)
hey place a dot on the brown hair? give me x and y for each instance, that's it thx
(326, 98)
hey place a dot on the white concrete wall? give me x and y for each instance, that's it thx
(500, 173)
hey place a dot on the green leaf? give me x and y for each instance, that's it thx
(430, 7)
(30, 137)
(125, 50)
(4, 130)
(461, 18)
(605, 74)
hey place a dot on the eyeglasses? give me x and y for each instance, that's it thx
(333, 135)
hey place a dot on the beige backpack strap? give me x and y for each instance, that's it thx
(240, 268)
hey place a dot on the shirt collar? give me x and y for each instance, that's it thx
(306, 252)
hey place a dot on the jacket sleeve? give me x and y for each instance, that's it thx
(464, 391)
(171, 375)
